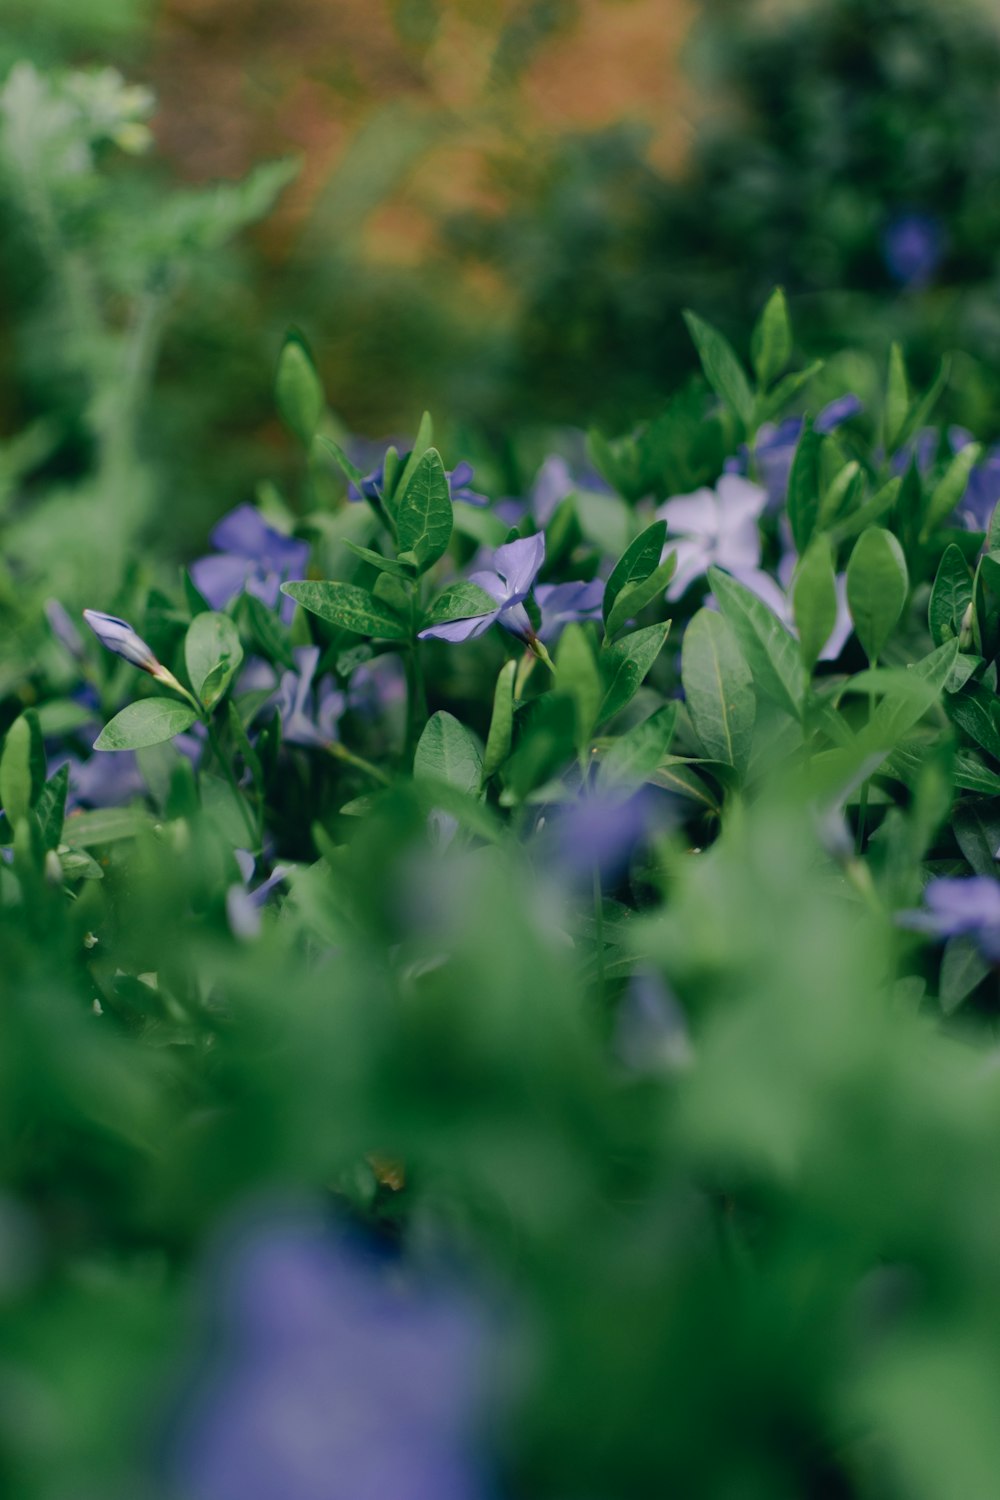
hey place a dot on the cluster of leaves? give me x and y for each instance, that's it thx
(535, 881)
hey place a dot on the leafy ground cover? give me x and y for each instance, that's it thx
(500, 991)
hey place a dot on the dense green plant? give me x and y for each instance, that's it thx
(461, 875)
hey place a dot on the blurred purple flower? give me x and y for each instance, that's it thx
(982, 492)
(336, 1377)
(777, 597)
(602, 830)
(101, 780)
(566, 603)
(508, 583)
(775, 446)
(957, 905)
(250, 556)
(243, 905)
(913, 247)
(309, 711)
(651, 1033)
(713, 527)
(64, 629)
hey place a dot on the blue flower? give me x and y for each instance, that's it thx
(565, 603)
(251, 556)
(954, 906)
(243, 905)
(508, 583)
(309, 712)
(336, 1376)
(121, 638)
(913, 247)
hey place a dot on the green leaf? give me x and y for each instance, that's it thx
(22, 767)
(267, 630)
(383, 564)
(424, 518)
(447, 752)
(461, 601)
(723, 370)
(297, 390)
(421, 443)
(147, 722)
(350, 607)
(50, 809)
(975, 711)
(498, 741)
(578, 677)
(106, 825)
(803, 487)
(350, 471)
(897, 399)
(771, 653)
(634, 757)
(212, 655)
(624, 665)
(786, 390)
(718, 689)
(636, 563)
(977, 830)
(877, 586)
(898, 713)
(972, 774)
(635, 596)
(771, 348)
(962, 969)
(814, 600)
(840, 493)
(950, 596)
(867, 514)
(949, 489)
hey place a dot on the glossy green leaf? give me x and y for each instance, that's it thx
(421, 443)
(212, 655)
(498, 741)
(718, 689)
(804, 487)
(771, 653)
(350, 607)
(298, 391)
(636, 754)
(459, 602)
(771, 348)
(578, 677)
(723, 370)
(950, 488)
(624, 665)
(636, 596)
(22, 767)
(50, 809)
(424, 515)
(639, 559)
(897, 399)
(814, 600)
(877, 586)
(448, 752)
(147, 722)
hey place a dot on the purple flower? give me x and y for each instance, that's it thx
(838, 411)
(913, 246)
(119, 636)
(602, 830)
(335, 1377)
(777, 597)
(508, 583)
(713, 527)
(565, 603)
(553, 483)
(101, 781)
(460, 484)
(982, 492)
(775, 446)
(63, 628)
(957, 905)
(250, 555)
(243, 905)
(309, 712)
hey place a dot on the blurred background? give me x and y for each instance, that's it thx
(492, 208)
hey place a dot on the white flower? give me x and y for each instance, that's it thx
(714, 527)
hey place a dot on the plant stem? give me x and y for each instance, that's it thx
(341, 752)
(255, 837)
(416, 699)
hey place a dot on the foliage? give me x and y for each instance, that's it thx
(480, 979)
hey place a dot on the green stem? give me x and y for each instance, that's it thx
(859, 844)
(234, 786)
(416, 699)
(599, 933)
(341, 752)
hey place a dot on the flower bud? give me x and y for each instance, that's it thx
(119, 637)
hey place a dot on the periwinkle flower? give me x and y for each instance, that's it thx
(913, 247)
(713, 527)
(121, 638)
(954, 906)
(566, 604)
(309, 711)
(64, 628)
(460, 485)
(982, 492)
(243, 904)
(515, 567)
(602, 830)
(252, 556)
(335, 1376)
